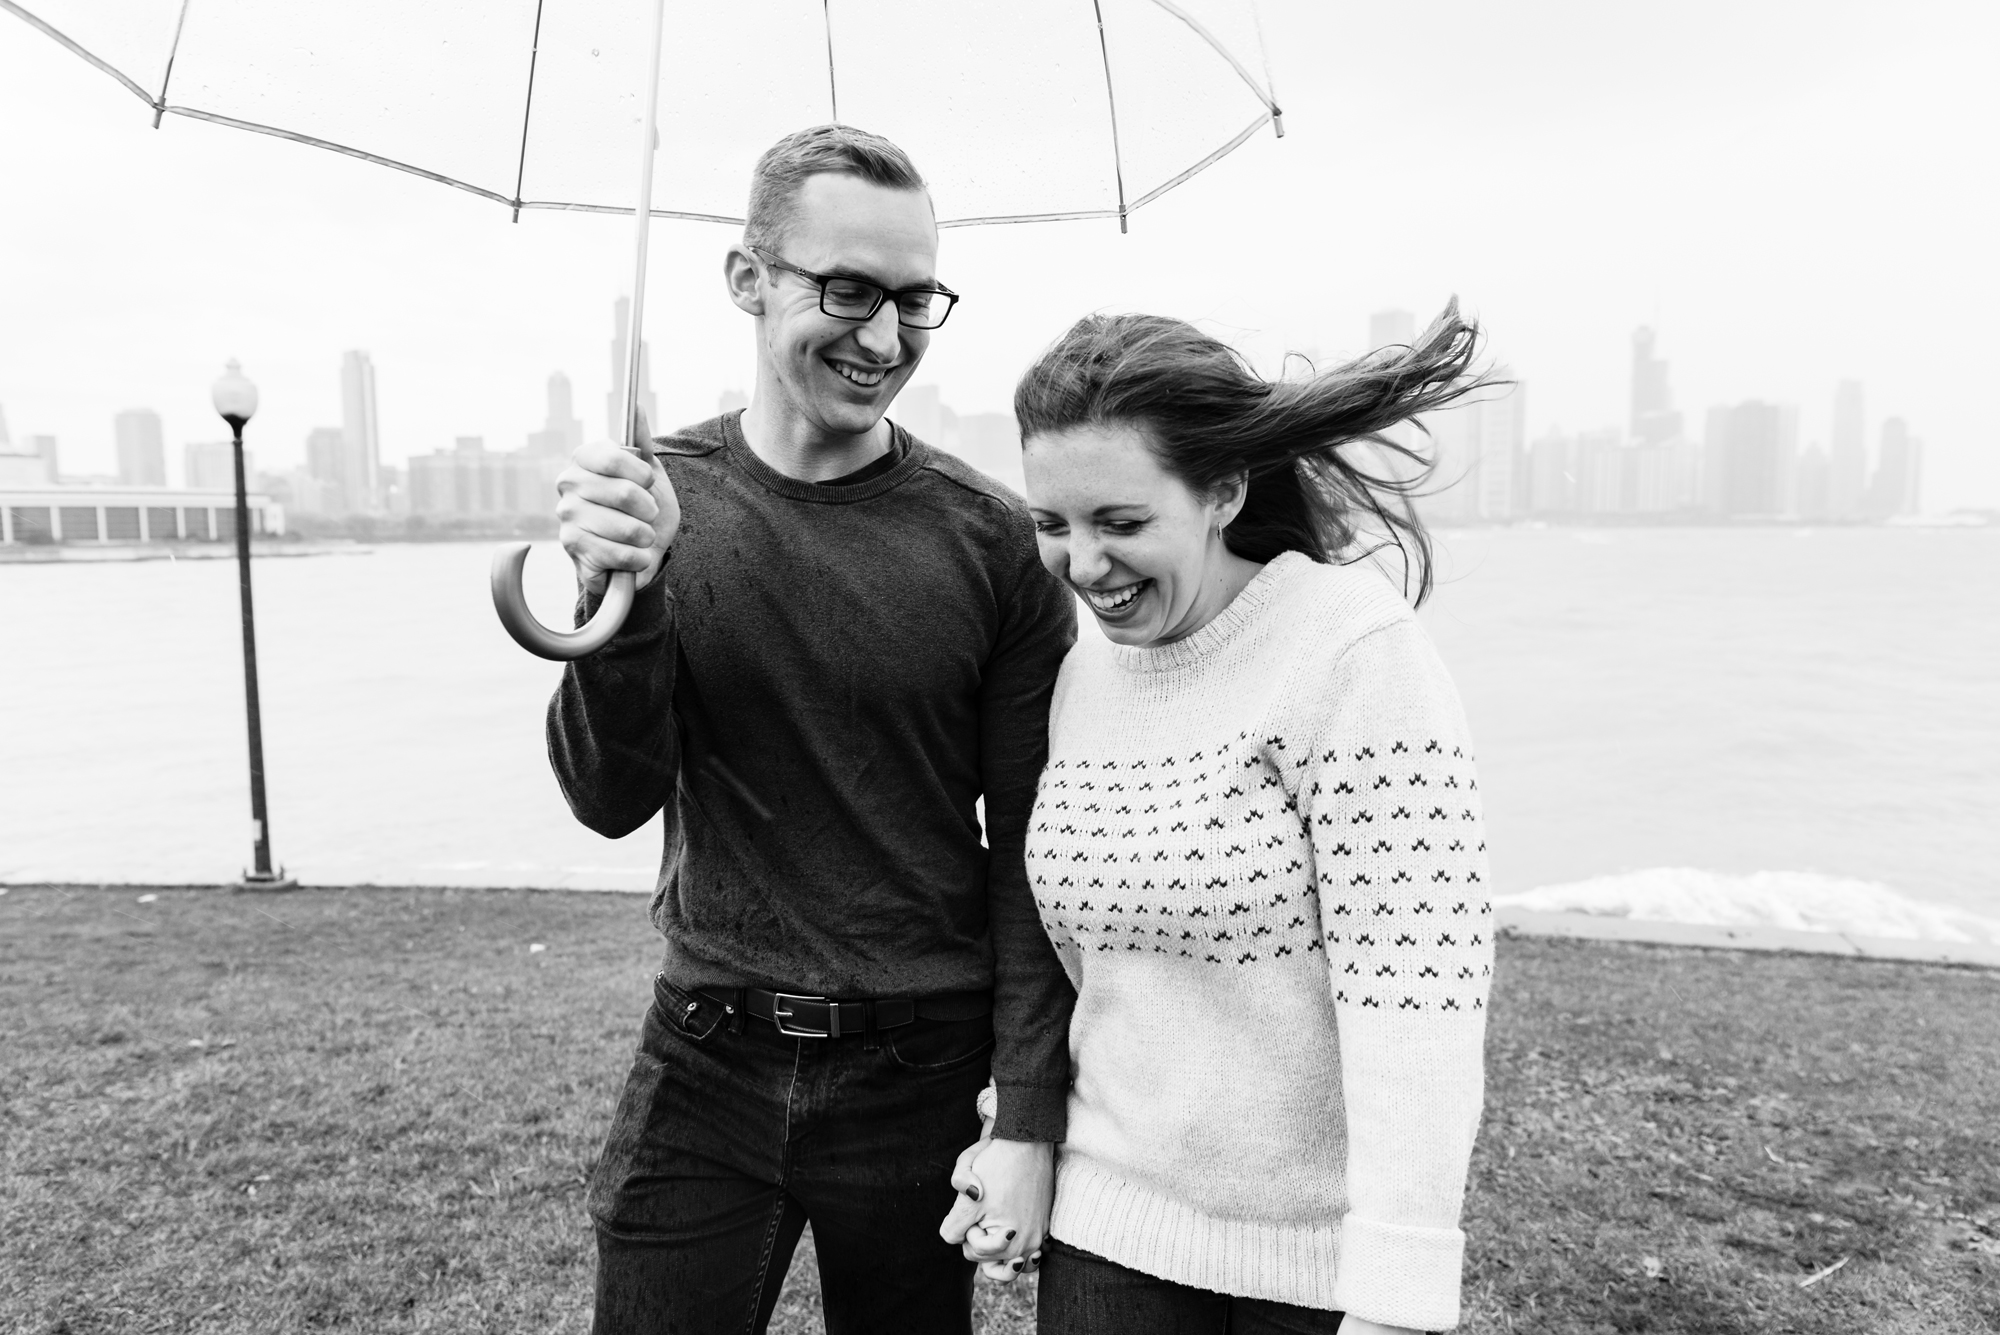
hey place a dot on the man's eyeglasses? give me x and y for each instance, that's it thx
(848, 298)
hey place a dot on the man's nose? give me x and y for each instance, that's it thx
(879, 334)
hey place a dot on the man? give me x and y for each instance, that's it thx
(842, 641)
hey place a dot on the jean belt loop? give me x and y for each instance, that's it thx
(869, 1035)
(736, 1009)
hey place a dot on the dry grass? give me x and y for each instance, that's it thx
(393, 1104)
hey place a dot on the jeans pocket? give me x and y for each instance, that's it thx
(939, 1045)
(690, 1014)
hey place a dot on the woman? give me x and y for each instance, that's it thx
(1257, 846)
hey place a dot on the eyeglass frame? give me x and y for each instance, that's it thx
(882, 293)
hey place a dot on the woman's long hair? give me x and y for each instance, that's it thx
(1210, 418)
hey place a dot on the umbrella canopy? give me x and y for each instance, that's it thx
(1015, 110)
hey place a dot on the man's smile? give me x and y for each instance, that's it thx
(865, 376)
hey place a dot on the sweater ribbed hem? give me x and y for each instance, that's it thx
(1145, 1231)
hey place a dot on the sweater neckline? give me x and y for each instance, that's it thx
(915, 455)
(1243, 609)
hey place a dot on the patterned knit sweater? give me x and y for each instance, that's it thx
(1259, 852)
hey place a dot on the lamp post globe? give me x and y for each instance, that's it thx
(235, 398)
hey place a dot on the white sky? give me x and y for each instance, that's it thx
(1793, 192)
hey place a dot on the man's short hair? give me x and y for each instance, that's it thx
(840, 149)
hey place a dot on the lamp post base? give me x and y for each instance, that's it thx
(266, 880)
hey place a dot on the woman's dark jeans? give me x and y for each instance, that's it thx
(1084, 1294)
(728, 1141)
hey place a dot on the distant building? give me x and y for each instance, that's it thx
(1481, 452)
(1898, 472)
(562, 434)
(1654, 421)
(1847, 459)
(614, 402)
(1813, 495)
(30, 464)
(920, 411)
(142, 449)
(991, 442)
(1749, 458)
(361, 442)
(210, 465)
(326, 464)
(74, 514)
(469, 480)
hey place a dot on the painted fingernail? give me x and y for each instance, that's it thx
(1010, 1235)
(973, 1192)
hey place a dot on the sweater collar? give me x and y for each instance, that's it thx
(915, 455)
(1229, 623)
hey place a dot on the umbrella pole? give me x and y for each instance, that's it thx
(505, 575)
(637, 430)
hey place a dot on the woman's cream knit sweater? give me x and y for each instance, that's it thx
(1260, 855)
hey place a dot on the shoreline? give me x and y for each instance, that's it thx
(1510, 922)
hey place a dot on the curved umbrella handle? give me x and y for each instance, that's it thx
(532, 635)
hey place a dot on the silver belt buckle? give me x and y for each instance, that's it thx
(781, 1013)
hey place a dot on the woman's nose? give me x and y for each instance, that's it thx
(1087, 561)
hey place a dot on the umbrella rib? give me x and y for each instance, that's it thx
(527, 108)
(297, 138)
(77, 49)
(1206, 162)
(1262, 96)
(995, 219)
(623, 211)
(168, 77)
(832, 88)
(1111, 99)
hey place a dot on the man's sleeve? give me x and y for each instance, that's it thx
(1032, 997)
(613, 740)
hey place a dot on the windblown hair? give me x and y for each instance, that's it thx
(841, 149)
(1303, 443)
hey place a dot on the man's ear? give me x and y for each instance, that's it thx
(744, 277)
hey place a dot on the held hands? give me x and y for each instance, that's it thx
(1001, 1216)
(618, 513)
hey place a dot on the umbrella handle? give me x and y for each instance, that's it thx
(532, 635)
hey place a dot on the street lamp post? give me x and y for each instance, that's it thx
(236, 399)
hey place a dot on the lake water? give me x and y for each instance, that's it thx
(1792, 726)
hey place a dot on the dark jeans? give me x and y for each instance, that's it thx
(728, 1140)
(1084, 1294)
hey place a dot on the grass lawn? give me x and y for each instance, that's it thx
(374, 1110)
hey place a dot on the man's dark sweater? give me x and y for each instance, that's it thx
(818, 688)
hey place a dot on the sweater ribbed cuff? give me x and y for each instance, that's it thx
(1399, 1275)
(1032, 1112)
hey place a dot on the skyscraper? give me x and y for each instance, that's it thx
(142, 451)
(361, 445)
(326, 462)
(1654, 421)
(1751, 458)
(562, 434)
(210, 465)
(1847, 461)
(1898, 472)
(614, 402)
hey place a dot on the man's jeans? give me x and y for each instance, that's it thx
(728, 1141)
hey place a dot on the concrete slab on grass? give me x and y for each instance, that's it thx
(1595, 927)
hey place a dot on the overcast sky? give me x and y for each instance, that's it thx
(1791, 192)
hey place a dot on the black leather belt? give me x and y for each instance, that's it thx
(823, 1017)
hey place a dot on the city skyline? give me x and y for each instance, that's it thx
(1749, 459)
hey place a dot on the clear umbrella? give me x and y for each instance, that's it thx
(1017, 110)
